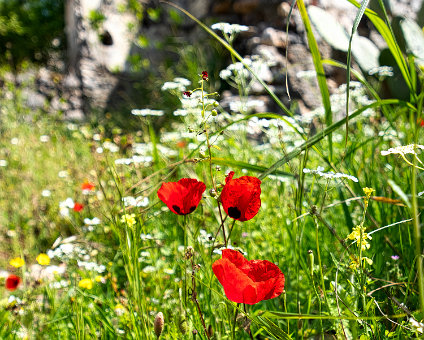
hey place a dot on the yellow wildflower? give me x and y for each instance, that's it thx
(43, 259)
(368, 191)
(128, 219)
(356, 236)
(17, 262)
(100, 278)
(86, 283)
(354, 261)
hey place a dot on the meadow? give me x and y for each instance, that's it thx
(145, 233)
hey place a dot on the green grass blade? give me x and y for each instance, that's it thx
(319, 136)
(389, 37)
(247, 166)
(322, 81)
(358, 18)
(235, 54)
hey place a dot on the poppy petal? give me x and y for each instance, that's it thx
(182, 197)
(248, 281)
(240, 197)
(12, 282)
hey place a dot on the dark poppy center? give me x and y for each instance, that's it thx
(233, 212)
(193, 208)
(177, 209)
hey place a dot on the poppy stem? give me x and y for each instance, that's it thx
(231, 229)
(235, 321)
(222, 224)
(249, 331)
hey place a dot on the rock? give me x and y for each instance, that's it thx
(270, 54)
(74, 115)
(33, 99)
(245, 6)
(272, 37)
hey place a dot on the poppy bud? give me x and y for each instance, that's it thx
(311, 262)
(189, 253)
(182, 325)
(214, 113)
(213, 193)
(158, 324)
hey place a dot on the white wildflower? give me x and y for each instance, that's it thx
(229, 28)
(329, 175)
(44, 138)
(382, 71)
(93, 221)
(3, 162)
(147, 112)
(403, 150)
(46, 193)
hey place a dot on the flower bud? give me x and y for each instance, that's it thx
(158, 324)
(311, 262)
(183, 325)
(214, 113)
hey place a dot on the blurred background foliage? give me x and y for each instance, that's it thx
(30, 30)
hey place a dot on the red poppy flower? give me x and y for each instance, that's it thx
(204, 75)
(182, 197)
(87, 186)
(12, 282)
(248, 281)
(78, 207)
(241, 197)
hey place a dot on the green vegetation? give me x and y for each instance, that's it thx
(340, 212)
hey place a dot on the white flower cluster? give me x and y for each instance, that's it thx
(382, 71)
(93, 221)
(417, 326)
(178, 84)
(219, 250)
(140, 201)
(229, 28)
(403, 150)
(329, 175)
(92, 266)
(65, 205)
(112, 147)
(146, 160)
(205, 238)
(237, 71)
(147, 112)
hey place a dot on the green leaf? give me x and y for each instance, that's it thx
(389, 37)
(319, 68)
(414, 39)
(319, 136)
(398, 190)
(329, 28)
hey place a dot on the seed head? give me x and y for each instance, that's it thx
(158, 324)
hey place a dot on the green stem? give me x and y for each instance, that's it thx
(414, 211)
(320, 265)
(231, 230)
(235, 321)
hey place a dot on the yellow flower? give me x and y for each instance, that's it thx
(354, 261)
(86, 283)
(356, 235)
(43, 259)
(368, 191)
(128, 219)
(99, 278)
(17, 262)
